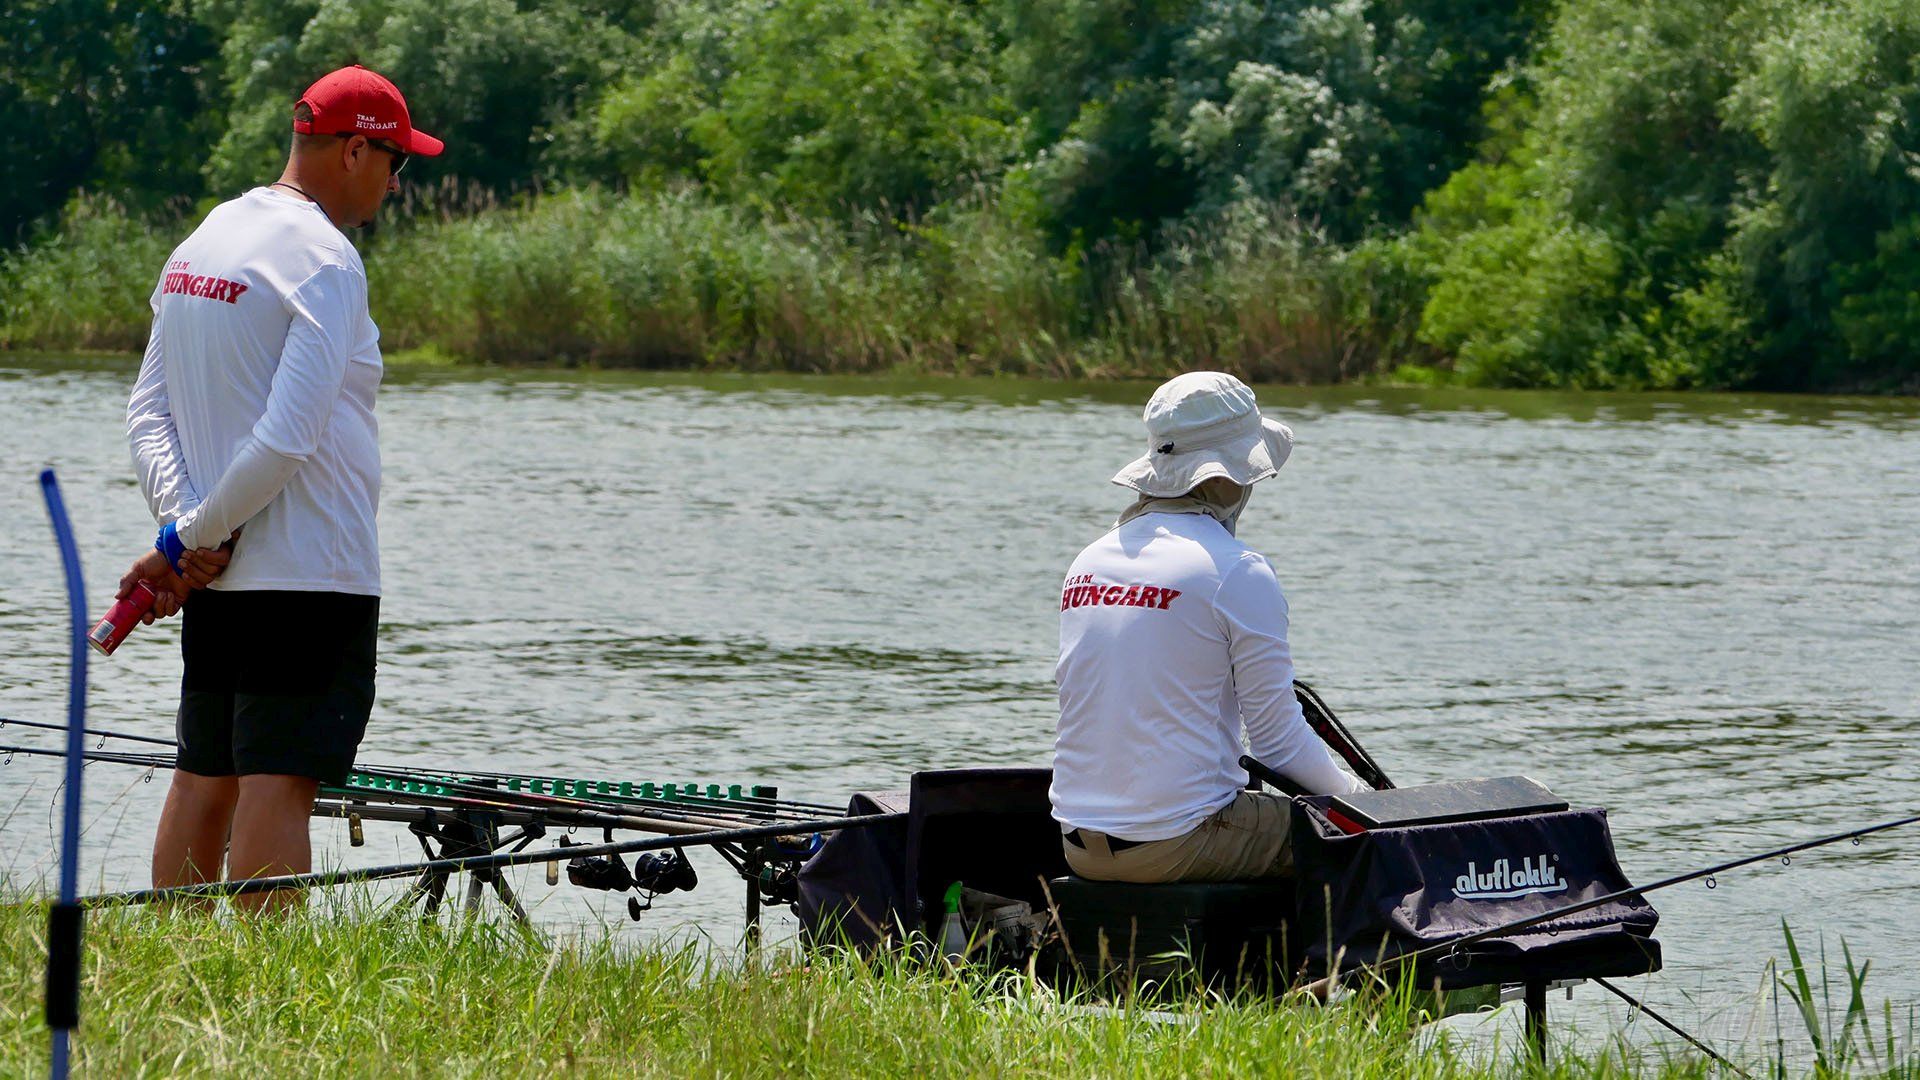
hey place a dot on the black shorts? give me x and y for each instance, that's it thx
(276, 682)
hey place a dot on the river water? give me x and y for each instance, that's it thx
(1698, 611)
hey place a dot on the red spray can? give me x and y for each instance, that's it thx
(122, 617)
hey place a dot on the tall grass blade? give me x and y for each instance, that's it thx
(1801, 991)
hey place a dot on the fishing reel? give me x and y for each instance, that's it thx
(659, 872)
(779, 876)
(603, 872)
(653, 873)
(779, 883)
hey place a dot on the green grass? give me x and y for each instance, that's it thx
(1853, 1046)
(333, 994)
(674, 280)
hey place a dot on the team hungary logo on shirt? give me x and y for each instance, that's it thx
(181, 279)
(1083, 591)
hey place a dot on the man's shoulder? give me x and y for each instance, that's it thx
(1200, 530)
(284, 230)
(1207, 543)
(1192, 545)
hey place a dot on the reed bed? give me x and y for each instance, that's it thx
(674, 280)
(85, 285)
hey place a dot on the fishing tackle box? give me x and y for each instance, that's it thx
(1372, 893)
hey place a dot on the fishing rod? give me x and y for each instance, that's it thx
(65, 926)
(1404, 961)
(1451, 948)
(1331, 731)
(597, 819)
(96, 732)
(689, 795)
(111, 757)
(1335, 734)
(1784, 853)
(1670, 1026)
(586, 816)
(678, 806)
(405, 773)
(468, 864)
(522, 799)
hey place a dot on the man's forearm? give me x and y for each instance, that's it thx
(157, 458)
(1309, 763)
(256, 476)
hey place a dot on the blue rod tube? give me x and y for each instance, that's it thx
(64, 921)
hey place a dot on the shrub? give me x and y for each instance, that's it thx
(86, 283)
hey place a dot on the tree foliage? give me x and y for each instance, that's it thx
(1611, 193)
(822, 107)
(105, 94)
(1696, 194)
(1347, 111)
(499, 81)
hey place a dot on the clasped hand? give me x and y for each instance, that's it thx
(198, 568)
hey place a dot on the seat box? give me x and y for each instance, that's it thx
(1228, 934)
(1372, 896)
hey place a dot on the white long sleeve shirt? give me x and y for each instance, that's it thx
(1173, 638)
(254, 404)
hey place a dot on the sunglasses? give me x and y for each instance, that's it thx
(397, 159)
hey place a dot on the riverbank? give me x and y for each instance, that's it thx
(358, 995)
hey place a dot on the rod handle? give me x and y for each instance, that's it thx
(63, 966)
(1259, 771)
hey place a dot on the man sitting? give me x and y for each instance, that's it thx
(1173, 636)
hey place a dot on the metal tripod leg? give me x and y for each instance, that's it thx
(429, 890)
(751, 872)
(1536, 999)
(467, 833)
(505, 892)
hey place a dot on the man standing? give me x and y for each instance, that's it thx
(1173, 637)
(252, 419)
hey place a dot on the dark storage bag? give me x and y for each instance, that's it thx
(991, 829)
(853, 889)
(1390, 891)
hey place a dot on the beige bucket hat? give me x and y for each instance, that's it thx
(1201, 425)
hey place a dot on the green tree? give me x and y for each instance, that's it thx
(1584, 249)
(1696, 193)
(1092, 76)
(1347, 111)
(114, 95)
(821, 107)
(1833, 94)
(497, 80)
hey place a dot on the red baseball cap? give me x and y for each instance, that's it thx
(356, 101)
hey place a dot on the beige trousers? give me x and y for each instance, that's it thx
(1246, 839)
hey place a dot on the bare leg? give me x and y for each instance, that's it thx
(270, 836)
(191, 842)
